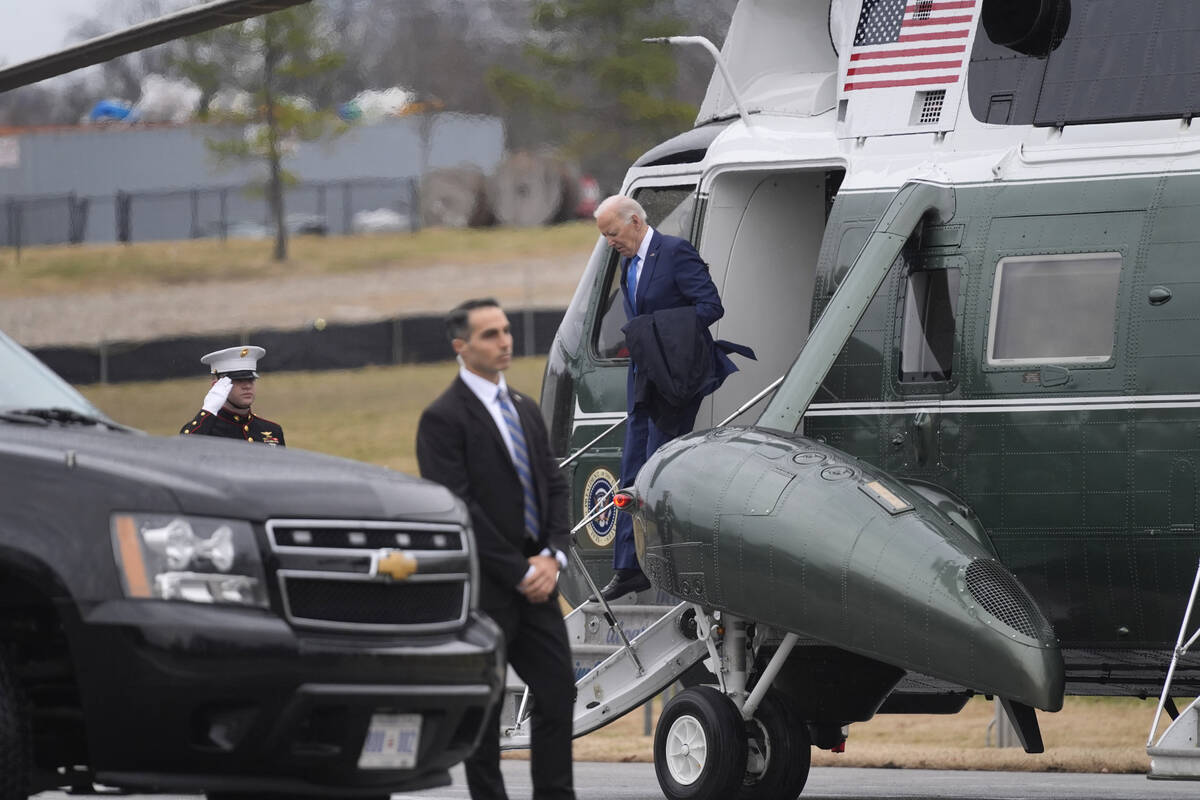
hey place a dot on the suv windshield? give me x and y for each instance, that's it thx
(27, 383)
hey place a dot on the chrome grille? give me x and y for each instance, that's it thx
(1002, 596)
(364, 536)
(330, 575)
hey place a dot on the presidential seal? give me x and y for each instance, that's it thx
(603, 528)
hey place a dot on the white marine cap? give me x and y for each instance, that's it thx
(235, 362)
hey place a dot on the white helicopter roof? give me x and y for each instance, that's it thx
(780, 62)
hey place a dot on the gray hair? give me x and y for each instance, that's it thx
(625, 208)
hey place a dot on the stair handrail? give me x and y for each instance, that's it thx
(606, 504)
(1181, 648)
(588, 446)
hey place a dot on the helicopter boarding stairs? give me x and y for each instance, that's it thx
(612, 679)
(1176, 754)
(615, 672)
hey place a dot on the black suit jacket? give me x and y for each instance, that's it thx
(460, 447)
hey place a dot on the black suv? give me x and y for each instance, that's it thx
(194, 614)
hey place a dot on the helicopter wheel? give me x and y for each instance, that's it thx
(700, 746)
(780, 753)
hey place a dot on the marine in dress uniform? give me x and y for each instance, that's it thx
(226, 410)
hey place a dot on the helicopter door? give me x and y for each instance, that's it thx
(601, 368)
(761, 237)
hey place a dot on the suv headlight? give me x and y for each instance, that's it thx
(197, 559)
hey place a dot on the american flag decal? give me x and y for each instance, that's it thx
(909, 43)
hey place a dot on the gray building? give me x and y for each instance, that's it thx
(176, 190)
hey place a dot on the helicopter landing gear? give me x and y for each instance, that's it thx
(700, 746)
(779, 753)
(713, 743)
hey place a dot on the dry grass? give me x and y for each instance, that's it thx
(58, 269)
(1088, 735)
(367, 414)
(371, 414)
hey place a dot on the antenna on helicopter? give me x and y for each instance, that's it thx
(716, 54)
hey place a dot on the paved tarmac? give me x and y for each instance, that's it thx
(599, 781)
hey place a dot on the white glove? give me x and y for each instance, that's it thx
(217, 395)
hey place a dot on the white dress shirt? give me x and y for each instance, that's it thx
(485, 390)
(643, 249)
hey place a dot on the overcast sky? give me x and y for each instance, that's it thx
(33, 29)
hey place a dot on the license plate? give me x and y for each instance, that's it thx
(392, 741)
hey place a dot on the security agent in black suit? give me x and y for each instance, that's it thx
(488, 445)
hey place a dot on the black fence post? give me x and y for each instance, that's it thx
(196, 233)
(223, 222)
(347, 207)
(102, 359)
(124, 209)
(397, 340)
(79, 217)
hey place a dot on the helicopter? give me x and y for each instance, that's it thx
(958, 235)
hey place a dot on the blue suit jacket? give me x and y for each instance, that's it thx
(673, 276)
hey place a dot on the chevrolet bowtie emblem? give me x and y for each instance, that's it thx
(396, 564)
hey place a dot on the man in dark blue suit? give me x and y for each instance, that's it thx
(658, 272)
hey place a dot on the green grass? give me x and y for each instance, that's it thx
(367, 414)
(81, 268)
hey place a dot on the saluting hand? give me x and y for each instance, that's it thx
(539, 584)
(217, 395)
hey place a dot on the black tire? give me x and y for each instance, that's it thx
(700, 746)
(15, 735)
(781, 741)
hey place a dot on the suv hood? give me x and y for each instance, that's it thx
(227, 478)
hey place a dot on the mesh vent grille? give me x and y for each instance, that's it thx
(999, 593)
(375, 603)
(931, 107)
(923, 10)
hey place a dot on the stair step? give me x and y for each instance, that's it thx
(1176, 756)
(587, 625)
(617, 684)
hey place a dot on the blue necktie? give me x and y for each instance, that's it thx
(520, 461)
(631, 278)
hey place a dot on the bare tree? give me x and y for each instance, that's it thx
(267, 57)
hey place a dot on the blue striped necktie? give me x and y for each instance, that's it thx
(520, 461)
(631, 279)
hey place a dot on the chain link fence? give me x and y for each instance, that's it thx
(334, 207)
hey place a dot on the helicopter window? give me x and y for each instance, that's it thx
(669, 209)
(927, 338)
(610, 341)
(1054, 309)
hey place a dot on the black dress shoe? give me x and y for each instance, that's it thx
(623, 582)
